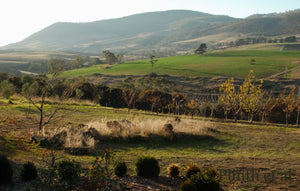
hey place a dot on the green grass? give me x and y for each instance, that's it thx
(230, 63)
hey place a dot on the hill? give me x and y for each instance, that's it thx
(16, 62)
(167, 31)
(269, 60)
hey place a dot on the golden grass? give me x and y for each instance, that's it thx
(76, 136)
(146, 127)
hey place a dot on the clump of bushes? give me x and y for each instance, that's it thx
(28, 172)
(207, 180)
(120, 169)
(6, 171)
(173, 170)
(191, 170)
(147, 167)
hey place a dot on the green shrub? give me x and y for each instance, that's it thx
(173, 170)
(28, 172)
(187, 186)
(68, 172)
(120, 169)
(6, 171)
(206, 180)
(147, 167)
(97, 175)
(191, 170)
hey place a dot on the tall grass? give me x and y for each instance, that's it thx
(147, 127)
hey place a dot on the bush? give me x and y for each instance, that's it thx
(68, 172)
(173, 170)
(28, 172)
(120, 169)
(6, 171)
(187, 185)
(192, 169)
(168, 128)
(147, 167)
(207, 180)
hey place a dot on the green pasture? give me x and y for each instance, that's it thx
(232, 63)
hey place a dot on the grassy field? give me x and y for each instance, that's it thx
(223, 145)
(31, 55)
(229, 63)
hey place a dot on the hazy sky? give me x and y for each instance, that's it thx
(21, 18)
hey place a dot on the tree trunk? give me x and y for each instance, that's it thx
(41, 119)
(286, 119)
(235, 117)
(298, 115)
(251, 117)
(128, 109)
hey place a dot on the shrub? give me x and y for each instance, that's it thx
(68, 172)
(187, 186)
(168, 128)
(207, 180)
(147, 167)
(192, 169)
(120, 169)
(173, 170)
(6, 171)
(97, 175)
(28, 172)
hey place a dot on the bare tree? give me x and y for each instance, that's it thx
(44, 89)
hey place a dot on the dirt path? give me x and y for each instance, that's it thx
(284, 72)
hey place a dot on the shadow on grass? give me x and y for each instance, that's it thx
(27, 109)
(6, 146)
(178, 141)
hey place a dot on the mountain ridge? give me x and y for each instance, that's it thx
(145, 32)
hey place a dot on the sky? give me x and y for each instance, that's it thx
(21, 18)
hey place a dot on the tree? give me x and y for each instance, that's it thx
(289, 104)
(251, 95)
(130, 92)
(110, 57)
(298, 110)
(201, 49)
(177, 104)
(44, 89)
(230, 98)
(192, 106)
(56, 66)
(153, 60)
(7, 89)
(290, 39)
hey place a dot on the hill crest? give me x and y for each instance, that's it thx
(161, 31)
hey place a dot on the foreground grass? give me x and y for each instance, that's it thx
(228, 146)
(230, 63)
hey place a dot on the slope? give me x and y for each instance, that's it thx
(165, 31)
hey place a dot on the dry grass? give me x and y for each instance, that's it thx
(139, 127)
(147, 127)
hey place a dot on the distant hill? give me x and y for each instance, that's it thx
(166, 31)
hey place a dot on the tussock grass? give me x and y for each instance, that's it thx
(136, 129)
(147, 127)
